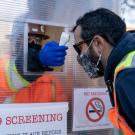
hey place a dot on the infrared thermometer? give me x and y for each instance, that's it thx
(64, 39)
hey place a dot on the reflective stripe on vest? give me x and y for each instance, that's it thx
(127, 62)
(15, 81)
(8, 75)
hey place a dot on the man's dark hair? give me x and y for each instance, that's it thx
(101, 22)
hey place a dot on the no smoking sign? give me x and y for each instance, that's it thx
(91, 112)
(95, 109)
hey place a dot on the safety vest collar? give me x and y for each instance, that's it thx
(127, 62)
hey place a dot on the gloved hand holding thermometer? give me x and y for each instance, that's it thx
(52, 53)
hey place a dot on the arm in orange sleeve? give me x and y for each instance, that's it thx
(44, 89)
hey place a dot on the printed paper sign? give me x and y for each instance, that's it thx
(33, 119)
(90, 109)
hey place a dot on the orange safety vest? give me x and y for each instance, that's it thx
(44, 89)
(114, 114)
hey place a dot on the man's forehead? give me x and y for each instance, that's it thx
(77, 33)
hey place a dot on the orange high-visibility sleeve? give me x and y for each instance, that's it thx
(44, 89)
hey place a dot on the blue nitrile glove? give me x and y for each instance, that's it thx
(52, 54)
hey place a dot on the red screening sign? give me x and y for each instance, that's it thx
(95, 109)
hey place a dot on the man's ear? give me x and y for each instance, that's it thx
(98, 44)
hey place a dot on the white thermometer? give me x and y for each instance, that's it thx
(64, 39)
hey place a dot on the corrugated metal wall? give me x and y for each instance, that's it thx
(13, 15)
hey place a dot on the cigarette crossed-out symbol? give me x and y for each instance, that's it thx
(95, 109)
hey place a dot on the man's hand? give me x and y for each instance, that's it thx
(52, 54)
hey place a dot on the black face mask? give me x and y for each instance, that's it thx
(93, 70)
(92, 66)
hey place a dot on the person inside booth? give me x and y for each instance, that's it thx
(17, 87)
(36, 37)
